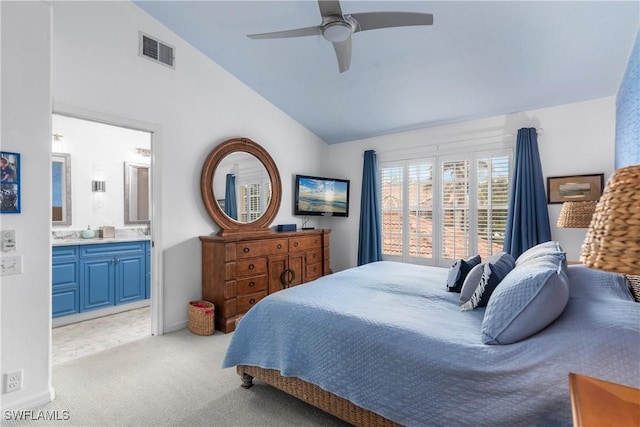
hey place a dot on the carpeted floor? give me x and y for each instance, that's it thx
(170, 380)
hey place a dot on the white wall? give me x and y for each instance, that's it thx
(575, 139)
(26, 128)
(97, 72)
(98, 152)
(195, 106)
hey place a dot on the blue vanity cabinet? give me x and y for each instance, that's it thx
(65, 284)
(112, 274)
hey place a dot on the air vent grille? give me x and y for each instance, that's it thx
(155, 50)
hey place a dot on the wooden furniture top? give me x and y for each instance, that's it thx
(601, 403)
(259, 236)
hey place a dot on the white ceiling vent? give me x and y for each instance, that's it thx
(155, 50)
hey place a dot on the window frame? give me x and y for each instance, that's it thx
(437, 160)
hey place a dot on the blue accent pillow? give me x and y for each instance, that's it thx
(476, 293)
(458, 272)
(530, 298)
(542, 250)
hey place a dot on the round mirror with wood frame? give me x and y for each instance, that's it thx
(227, 224)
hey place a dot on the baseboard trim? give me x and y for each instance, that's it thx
(176, 327)
(29, 402)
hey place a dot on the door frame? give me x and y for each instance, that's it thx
(157, 317)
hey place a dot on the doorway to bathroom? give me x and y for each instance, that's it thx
(102, 235)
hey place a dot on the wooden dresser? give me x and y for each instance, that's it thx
(239, 270)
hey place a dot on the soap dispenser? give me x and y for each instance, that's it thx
(88, 233)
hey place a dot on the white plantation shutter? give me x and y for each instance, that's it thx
(420, 204)
(492, 202)
(439, 209)
(454, 209)
(391, 192)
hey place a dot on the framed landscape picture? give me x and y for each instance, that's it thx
(574, 188)
(9, 182)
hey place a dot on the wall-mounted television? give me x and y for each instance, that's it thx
(319, 196)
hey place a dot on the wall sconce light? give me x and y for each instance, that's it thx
(98, 186)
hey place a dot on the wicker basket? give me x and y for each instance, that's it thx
(201, 314)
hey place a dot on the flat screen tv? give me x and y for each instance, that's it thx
(319, 196)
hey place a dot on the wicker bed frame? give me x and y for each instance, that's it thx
(314, 395)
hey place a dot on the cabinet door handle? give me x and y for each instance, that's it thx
(287, 277)
(246, 250)
(252, 284)
(251, 266)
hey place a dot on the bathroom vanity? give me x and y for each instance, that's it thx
(93, 274)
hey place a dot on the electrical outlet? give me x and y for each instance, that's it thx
(13, 381)
(10, 265)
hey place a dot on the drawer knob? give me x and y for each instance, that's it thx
(315, 269)
(252, 301)
(252, 284)
(295, 245)
(279, 245)
(251, 266)
(246, 250)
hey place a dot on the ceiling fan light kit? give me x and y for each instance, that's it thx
(338, 28)
(337, 31)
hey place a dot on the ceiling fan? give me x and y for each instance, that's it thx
(338, 28)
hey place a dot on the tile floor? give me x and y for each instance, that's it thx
(91, 336)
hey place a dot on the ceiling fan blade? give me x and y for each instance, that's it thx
(298, 32)
(343, 53)
(375, 20)
(329, 7)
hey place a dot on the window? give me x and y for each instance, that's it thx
(251, 203)
(470, 194)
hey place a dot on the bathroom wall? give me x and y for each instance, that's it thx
(98, 152)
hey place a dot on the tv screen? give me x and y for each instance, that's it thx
(321, 196)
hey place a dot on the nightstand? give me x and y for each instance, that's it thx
(601, 403)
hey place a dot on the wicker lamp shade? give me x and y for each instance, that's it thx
(613, 240)
(576, 214)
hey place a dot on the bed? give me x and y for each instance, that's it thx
(386, 344)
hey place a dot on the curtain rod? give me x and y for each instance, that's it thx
(539, 131)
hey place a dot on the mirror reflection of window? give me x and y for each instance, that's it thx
(252, 187)
(61, 188)
(137, 193)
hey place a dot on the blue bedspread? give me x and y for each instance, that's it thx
(388, 337)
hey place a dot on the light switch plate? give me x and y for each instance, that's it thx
(8, 240)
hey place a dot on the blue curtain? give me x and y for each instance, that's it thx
(370, 236)
(528, 218)
(230, 204)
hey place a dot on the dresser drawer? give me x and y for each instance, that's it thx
(311, 257)
(261, 248)
(313, 271)
(251, 267)
(245, 302)
(303, 243)
(251, 285)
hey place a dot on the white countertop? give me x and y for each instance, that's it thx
(96, 240)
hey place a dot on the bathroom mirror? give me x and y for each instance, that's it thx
(137, 192)
(61, 188)
(241, 187)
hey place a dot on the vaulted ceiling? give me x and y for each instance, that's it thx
(478, 59)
